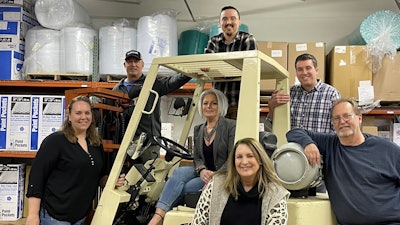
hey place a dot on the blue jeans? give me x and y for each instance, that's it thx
(46, 219)
(182, 181)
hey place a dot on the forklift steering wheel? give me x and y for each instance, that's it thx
(173, 148)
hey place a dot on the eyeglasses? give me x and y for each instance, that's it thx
(345, 117)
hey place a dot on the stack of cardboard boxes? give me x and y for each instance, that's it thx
(25, 120)
(351, 64)
(15, 20)
(285, 53)
(348, 69)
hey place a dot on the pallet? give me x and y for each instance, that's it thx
(21, 221)
(58, 76)
(114, 78)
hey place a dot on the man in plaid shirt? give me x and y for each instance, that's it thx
(310, 101)
(231, 39)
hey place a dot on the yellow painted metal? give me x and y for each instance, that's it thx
(282, 113)
(313, 210)
(247, 66)
(249, 101)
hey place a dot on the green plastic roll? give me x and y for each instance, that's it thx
(192, 42)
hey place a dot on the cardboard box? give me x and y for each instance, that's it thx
(386, 80)
(18, 122)
(11, 65)
(28, 5)
(17, 13)
(317, 49)
(12, 181)
(47, 116)
(167, 130)
(347, 67)
(370, 130)
(12, 35)
(277, 51)
(396, 133)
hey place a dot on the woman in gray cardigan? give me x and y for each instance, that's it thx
(248, 192)
(212, 142)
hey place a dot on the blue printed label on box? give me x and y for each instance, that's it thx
(35, 122)
(3, 121)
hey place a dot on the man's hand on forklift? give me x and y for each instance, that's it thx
(121, 180)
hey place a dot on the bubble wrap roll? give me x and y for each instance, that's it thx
(56, 14)
(114, 42)
(77, 50)
(42, 51)
(157, 36)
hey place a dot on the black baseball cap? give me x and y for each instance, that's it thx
(133, 53)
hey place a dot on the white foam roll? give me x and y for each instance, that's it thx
(114, 42)
(157, 37)
(42, 51)
(56, 14)
(77, 50)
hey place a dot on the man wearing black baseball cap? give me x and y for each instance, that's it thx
(133, 53)
(132, 85)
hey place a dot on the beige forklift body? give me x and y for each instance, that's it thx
(245, 66)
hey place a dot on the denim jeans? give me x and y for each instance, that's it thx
(182, 181)
(46, 219)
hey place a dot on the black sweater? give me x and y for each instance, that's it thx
(65, 177)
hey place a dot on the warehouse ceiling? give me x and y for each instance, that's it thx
(206, 10)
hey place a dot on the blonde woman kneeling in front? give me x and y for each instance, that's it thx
(248, 192)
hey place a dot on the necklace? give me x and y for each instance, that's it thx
(207, 135)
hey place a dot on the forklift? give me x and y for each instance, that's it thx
(144, 183)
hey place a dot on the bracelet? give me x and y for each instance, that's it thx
(156, 213)
(200, 168)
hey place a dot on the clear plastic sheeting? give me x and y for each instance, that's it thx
(42, 51)
(157, 36)
(365, 109)
(57, 14)
(77, 44)
(114, 42)
(380, 32)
